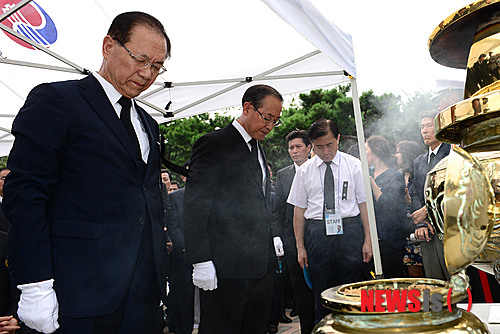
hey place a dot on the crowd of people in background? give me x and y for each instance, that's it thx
(98, 235)
(483, 72)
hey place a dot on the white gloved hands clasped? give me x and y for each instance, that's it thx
(278, 247)
(204, 275)
(38, 307)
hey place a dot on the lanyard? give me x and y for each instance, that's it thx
(338, 181)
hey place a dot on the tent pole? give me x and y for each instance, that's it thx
(366, 179)
(44, 49)
(42, 66)
(14, 9)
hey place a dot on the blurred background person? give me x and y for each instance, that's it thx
(406, 153)
(299, 148)
(174, 185)
(388, 190)
(165, 178)
(181, 296)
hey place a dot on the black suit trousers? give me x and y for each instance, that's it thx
(238, 305)
(333, 260)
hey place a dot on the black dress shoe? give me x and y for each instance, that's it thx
(293, 313)
(272, 329)
(285, 320)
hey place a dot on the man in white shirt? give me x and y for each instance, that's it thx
(299, 148)
(331, 258)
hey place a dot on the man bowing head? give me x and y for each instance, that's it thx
(227, 219)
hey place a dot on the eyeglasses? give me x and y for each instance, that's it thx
(274, 122)
(144, 63)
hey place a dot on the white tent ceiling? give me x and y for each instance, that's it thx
(216, 46)
(219, 48)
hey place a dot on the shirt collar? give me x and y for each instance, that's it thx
(336, 160)
(242, 131)
(111, 92)
(435, 151)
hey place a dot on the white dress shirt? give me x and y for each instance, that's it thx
(307, 186)
(435, 151)
(140, 131)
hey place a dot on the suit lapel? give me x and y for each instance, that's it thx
(290, 174)
(241, 147)
(98, 100)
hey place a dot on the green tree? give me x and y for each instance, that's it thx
(3, 161)
(384, 115)
(331, 104)
(181, 134)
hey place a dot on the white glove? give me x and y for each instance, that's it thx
(278, 247)
(38, 307)
(204, 275)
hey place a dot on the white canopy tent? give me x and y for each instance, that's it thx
(220, 47)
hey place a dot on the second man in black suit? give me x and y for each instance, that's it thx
(227, 219)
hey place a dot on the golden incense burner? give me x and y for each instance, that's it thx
(462, 195)
(463, 191)
(348, 315)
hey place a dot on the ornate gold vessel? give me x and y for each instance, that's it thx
(463, 203)
(348, 317)
(462, 191)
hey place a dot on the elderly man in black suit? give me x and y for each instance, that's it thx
(432, 248)
(86, 245)
(299, 147)
(227, 219)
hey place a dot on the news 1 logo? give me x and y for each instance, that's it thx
(412, 300)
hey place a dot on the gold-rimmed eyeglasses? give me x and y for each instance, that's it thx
(144, 63)
(273, 122)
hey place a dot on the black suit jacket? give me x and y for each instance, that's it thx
(227, 217)
(4, 223)
(420, 170)
(176, 222)
(77, 199)
(283, 212)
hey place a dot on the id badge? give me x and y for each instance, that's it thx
(333, 223)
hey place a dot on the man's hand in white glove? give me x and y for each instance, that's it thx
(38, 307)
(204, 275)
(278, 247)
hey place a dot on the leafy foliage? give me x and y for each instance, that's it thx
(180, 135)
(384, 115)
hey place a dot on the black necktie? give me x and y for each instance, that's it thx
(255, 158)
(127, 123)
(329, 187)
(431, 160)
